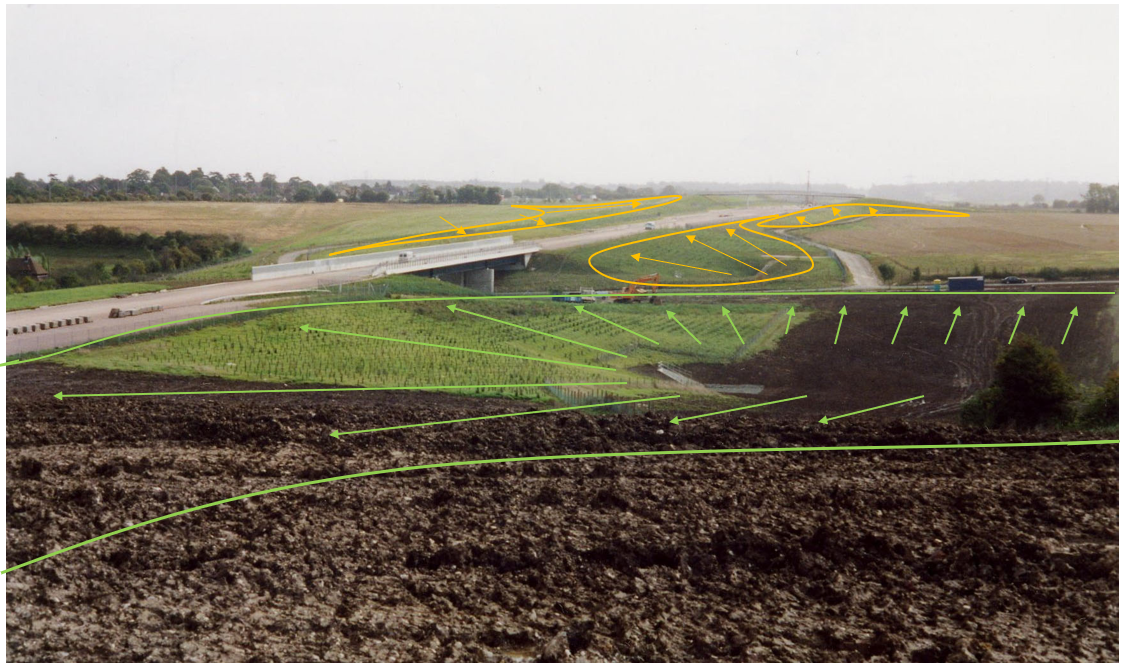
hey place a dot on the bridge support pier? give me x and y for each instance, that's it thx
(481, 280)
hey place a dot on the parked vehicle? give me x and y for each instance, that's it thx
(965, 283)
(1013, 280)
(651, 225)
(573, 297)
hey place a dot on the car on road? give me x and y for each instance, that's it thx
(1013, 280)
(651, 225)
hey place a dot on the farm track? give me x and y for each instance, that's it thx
(957, 555)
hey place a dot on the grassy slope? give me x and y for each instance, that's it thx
(568, 270)
(64, 295)
(272, 348)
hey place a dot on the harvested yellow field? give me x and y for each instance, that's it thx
(255, 222)
(1018, 241)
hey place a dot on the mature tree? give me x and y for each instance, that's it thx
(327, 195)
(269, 184)
(162, 180)
(137, 181)
(304, 191)
(1102, 199)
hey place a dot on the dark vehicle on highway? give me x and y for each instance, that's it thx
(965, 283)
(1013, 280)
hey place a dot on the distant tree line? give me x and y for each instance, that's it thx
(197, 184)
(170, 252)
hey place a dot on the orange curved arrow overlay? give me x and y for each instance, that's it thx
(771, 221)
(534, 218)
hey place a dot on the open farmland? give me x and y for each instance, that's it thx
(1008, 241)
(913, 555)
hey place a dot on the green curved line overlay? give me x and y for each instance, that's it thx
(557, 457)
(526, 297)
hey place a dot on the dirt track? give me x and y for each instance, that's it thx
(997, 554)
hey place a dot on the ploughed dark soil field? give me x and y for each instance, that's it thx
(864, 369)
(923, 555)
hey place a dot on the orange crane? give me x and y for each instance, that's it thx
(633, 292)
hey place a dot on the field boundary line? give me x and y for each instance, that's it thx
(530, 297)
(554, 457)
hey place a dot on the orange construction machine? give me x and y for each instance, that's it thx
(634, 292)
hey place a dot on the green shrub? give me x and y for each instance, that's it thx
(1030, 388)
(887, 271)
(1103, 409)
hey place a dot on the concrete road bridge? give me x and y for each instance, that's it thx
(469, 264)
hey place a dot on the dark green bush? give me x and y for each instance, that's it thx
(1103, 409)
(1030, 388)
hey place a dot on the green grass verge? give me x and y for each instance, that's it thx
(64, 295)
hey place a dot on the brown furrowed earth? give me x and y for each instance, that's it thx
(864, 369)
(926, 555)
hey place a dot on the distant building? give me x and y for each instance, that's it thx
(26, 267)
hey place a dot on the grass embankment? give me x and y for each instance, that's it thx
(998, 243)
(567, 270)
(272, 348)
(62, 296)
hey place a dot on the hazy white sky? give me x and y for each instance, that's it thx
(620, 94)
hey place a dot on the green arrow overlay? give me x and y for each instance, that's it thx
(454, 309)
(61, 395)
(548, 457)
(889, 404)
(382, 301)
(904, 313)
(308, 329)
(842, 313)
(677, 420)
(581, 309)
(1072, 316)
(792, 313)
(671, 315)
(726, 313)
(337, 433)
(1021, 313)
(955, 316)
